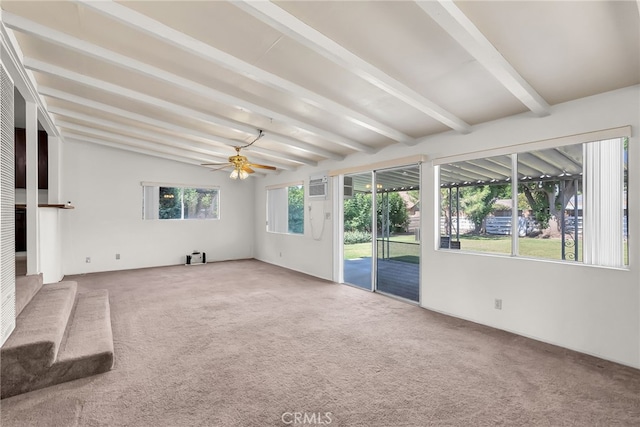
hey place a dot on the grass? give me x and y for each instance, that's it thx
(528, 247)
(404, 253)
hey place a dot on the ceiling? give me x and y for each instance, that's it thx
(324, 80)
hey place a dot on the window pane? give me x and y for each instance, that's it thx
(200, 203)
(170, 203)
(285, 210)
(296, 209)
(180, 203)
(550, 203)
(572, 204)
(475, 205)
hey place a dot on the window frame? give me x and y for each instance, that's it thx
(272, 209)
(151, 212)
(621, 133)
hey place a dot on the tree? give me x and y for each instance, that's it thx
(546, 199)
(296, 209)
(478, 201)
(170, 203)
(357, 213)
(397, 209)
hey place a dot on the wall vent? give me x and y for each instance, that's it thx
(7, 210)
(318, 186)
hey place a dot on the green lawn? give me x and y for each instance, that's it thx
(399, 252)
(529, 247)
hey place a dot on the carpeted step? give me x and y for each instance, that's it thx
(37, 356)
(33, 346)
(26, 288)
(88, 345)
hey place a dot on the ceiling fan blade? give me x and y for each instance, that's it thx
(254, 165)
(214, 164)
(221, 167)
(247, 169)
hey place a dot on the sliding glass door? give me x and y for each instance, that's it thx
(382, 250)
(358, 230)
(398, 232)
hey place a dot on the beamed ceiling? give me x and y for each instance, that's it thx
(186, 80)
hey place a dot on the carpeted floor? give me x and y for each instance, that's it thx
(245, 343)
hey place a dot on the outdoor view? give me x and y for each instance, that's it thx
(396, 225)
(285, 209)
(188, 203)
(358, 230)
(476, 203)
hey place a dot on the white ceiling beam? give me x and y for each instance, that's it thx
(199, 135)
(196, 47)
(446, 14)
(154, 137)
(135, 142)
(172, 149)
(54, 70)
(189, 146)
(34, 29)
(83, 139)
(291, 26)
(11, 56)
(96, 136)
(101, 85)
(72, 136)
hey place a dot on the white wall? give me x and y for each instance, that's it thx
(104, 186)
(589, 309)
(50, 244)
(310, 252)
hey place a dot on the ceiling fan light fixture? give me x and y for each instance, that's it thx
(242, 167)
(238, 173)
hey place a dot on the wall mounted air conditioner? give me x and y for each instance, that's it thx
(318, 186)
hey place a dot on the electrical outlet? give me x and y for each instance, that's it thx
(88, 260)
(498, 304)
(327, 215)
(117, 256)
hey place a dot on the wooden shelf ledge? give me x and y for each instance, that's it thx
(47, 205)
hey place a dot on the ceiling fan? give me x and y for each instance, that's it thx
(242, 167)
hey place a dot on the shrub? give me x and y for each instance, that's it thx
(352, 237)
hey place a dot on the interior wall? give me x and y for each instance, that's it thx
(50, 244)
(103, 184)
(589, 309)
(308, 252)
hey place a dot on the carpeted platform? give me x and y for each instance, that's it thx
(245, 343)
(26, 288)
(60, 336)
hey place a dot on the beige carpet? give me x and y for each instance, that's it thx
(242, 343)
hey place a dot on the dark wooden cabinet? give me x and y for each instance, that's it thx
(21, 159)
(21, 229)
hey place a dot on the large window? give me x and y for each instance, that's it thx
(285, 209)
(173, 202)
(567, 202)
